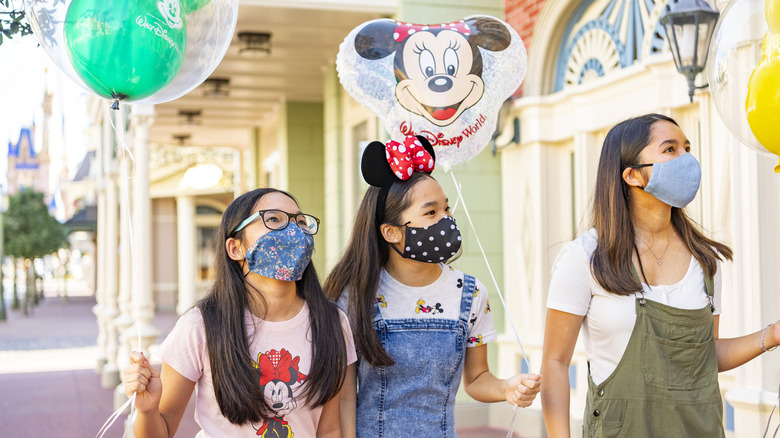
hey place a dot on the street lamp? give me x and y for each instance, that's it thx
(689, 25)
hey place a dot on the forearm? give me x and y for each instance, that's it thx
(734, 352)
(555, 399)
(150, 425)
(486, 388)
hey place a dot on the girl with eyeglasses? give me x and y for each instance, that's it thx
(644, 285)
(265, 348)
(419, 324)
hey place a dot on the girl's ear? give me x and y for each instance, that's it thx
(634, 177)
(233, 248)
(391, 233)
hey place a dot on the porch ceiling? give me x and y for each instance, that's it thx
(305, 36)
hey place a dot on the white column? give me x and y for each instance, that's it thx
(110, 374)
(756, 280)
(142, 119)
(185, 225)
(238, 170)
(125, 318)
(99, 263)
(586, 158)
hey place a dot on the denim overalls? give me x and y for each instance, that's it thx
(416, 396)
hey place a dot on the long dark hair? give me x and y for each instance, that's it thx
(611, 261)
(359, 268)
(236, 381)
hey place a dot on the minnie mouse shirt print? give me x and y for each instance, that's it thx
(282, 358)
(440, 299)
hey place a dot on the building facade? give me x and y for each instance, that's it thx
(593, 64)
(282, 119)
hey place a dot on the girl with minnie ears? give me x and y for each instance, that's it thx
(419, 324)
(266, 349)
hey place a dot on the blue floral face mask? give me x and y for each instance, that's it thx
(675, 182)
(281, 254)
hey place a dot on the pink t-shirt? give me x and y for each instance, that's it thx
(282, 349)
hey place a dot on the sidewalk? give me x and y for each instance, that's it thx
(48, 383)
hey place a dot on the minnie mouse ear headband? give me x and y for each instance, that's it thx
(384, 164)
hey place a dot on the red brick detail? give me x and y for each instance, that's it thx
(522, 15)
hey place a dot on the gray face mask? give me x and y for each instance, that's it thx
(675, 182)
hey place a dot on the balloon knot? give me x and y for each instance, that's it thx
(115, 105)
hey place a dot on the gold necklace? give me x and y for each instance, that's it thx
(650, 247)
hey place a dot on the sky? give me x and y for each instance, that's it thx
(23, 79)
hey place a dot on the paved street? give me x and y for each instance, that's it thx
(48, 386)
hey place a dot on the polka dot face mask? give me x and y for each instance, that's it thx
(434, 244)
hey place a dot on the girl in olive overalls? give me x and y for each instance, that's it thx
(419, 324)
(645, 284)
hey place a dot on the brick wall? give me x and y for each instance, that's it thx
(522, 15)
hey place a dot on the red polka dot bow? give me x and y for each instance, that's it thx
(403, 30)
(407, 157)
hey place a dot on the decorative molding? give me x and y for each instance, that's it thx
(606, 35)
(168, 159)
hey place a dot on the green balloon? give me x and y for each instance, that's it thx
(190, 6)
(126, 49)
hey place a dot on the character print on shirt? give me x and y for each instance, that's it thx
(278, 373)
(475, 340)
(487, 307)
(476, 291)
(423, 308)
(380, 299)
(460, 283)
(473, 319)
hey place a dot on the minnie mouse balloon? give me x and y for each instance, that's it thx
(107, 46)
(446, 82)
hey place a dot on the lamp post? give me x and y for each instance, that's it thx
(689, 25)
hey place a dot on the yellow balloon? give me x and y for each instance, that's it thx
(773, 15)
(763, 98)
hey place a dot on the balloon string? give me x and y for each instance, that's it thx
(492, 276)
(507, 315)
(769, 420)
(127, 154)
(457, 201)
(112, 419)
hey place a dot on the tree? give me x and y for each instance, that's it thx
(12, 20)
(30, 232)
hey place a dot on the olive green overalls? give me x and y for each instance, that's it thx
(666, 384)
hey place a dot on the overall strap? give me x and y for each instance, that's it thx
(709, 287)
(709, 284)
(469, 285)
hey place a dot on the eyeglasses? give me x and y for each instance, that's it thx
(278, 220)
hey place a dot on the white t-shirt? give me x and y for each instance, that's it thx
(610, 318)
(283, 348)
(440, 299)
